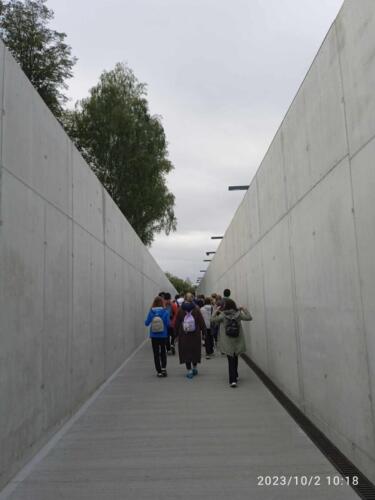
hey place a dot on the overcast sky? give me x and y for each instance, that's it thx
(221, 74)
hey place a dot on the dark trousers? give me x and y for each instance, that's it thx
(209, 342)
(215, 333)
(188, 365)
(160, 353)
(171, 338)
(233, 368)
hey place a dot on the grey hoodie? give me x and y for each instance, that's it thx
(206, 311)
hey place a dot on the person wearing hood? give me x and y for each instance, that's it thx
(231, 337)
(189, 328)
(158, 320)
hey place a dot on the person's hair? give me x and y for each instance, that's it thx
(167, 296)
(158, 302)
(201, 296)
(226, 293)
(207, 301)
(162, 294)
(189, 297)
(214, 295)
(229, 304)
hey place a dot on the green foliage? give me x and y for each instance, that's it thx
(41, 52)
(127, 149)
(182, 286)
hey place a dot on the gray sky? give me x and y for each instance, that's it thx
(221, 74)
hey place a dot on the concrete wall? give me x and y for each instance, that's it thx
(300, 248)
(75, 280)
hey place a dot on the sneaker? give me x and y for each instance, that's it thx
(173, 350)
(159, 374)
(164, 372)
(190, 374)
(233, 384)
(208, 356)
(195, 371)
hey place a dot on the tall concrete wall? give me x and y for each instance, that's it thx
(300, 248)
(75, 280)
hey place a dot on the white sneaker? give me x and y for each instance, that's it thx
(233, 384)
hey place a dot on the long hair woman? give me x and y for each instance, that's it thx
(158, 321)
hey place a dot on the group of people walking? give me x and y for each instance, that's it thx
(189, 320)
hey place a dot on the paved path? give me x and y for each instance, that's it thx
(174, 438)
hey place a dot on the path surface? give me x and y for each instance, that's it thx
(174, 438)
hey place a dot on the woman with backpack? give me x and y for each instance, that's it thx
(189, 327)
(231, 337)
(158, 320)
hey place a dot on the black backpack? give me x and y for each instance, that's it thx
(232, 327)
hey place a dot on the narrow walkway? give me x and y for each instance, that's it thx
(148, 438)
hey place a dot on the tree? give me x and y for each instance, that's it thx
(127, 149)
(41, 52)
(182, 286)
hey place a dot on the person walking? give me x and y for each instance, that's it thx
(231, 337)
(158, 321)
(206, 312)
(172, 311)
(217, 303)
(189, 327)
(214, 326)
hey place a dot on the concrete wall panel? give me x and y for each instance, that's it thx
(2, 65)
(329, 309)
(252, 213)
(38, 155)
(247, 215)
(355, 31)
(113, 226)
(363, 172)
(282, 348)
(114, 340)
(136, 321)
(255, 291)
(271, 186)
(129, 243)
(87, 197)
(314, 129)
(81, 338)
(96, 371)
(57, 328)
(21, 306)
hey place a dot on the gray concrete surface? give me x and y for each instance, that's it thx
(174, 438)
(75, 279)
(300, 248)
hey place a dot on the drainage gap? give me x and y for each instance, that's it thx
(365, 488)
